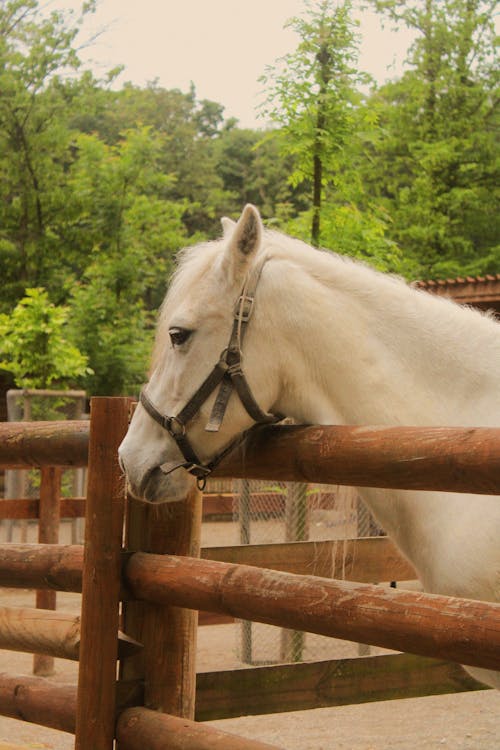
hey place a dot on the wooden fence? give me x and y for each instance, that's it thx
(161, 581)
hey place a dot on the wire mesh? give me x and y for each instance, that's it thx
(273, 512)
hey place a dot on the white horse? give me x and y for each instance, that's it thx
(330, 341)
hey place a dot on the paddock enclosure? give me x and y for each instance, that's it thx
(144, 576)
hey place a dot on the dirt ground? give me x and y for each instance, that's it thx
(469, 721)
(466, 721)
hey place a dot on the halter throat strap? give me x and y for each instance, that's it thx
(227, 374)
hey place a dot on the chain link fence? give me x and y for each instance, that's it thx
(276, 512)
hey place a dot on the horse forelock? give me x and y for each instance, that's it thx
(192, 264)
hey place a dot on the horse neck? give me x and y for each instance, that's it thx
(374, 351)
(388, 355)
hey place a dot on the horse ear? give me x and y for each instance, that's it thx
(228, 226)
(245, 239)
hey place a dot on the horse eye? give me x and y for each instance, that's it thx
(179, 336)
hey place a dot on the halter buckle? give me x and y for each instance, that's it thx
(198, 471)
(244, 308)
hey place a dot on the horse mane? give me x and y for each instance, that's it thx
(339, 272)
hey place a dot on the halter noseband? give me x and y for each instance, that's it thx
(227, 374)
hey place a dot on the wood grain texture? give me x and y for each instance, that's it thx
(38, 701)
(140, 728)
(340, 682)
(40, 631)
(48, 533)
(424, 458)
(364, 560)
(58, 443)
(168, 662)
(460, 630)
(101, 576)
(51, 566)
(25, 508)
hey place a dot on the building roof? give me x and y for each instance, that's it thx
(479, 291)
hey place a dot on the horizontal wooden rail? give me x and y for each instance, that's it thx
(59, 566)
(36, 700)
(42, 566)
(39, 631)
(40, 701)
(458, 630)
(318, 684)
(42, 631)
(367, 560)
(35, 444)
(427, 458)
(29, 508)
(140, 728)
(449, 459)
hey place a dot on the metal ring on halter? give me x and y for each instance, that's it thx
(176, 432)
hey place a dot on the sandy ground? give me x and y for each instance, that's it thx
(466, 721)
(469, 721)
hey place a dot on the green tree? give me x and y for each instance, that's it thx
(187, 129)
(35, 50)
(131, 233)
(440, 122)
(312, 95)
(35, 347)
(253, 169)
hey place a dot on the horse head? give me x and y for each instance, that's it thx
(212, 374)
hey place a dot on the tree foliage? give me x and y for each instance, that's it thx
(441, 120)
(312, 95)
(101, 185)
(34, 346)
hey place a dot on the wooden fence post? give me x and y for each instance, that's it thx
(95, 718)
(48, 533)
(168, 661)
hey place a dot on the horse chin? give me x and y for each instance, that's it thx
(158, 488)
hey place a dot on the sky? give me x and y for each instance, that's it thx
(222, 46)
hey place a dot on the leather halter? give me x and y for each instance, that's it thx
(228, 375)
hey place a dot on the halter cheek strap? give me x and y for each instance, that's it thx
(227, 374)
(233, 355)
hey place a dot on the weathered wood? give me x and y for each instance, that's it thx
(459, 630)
(101, 576)
(48, 533)
(49, 704)
(58, 443)
(269, 504)
(425, 458)
(168, 661)
(48, 632)
(51, 566)
(39, 701)
(50, 494)
(364, 560)
(27, 508)
(140, 728)
(259, 503)
(211, 618)
(298, 687)
(39, 631)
